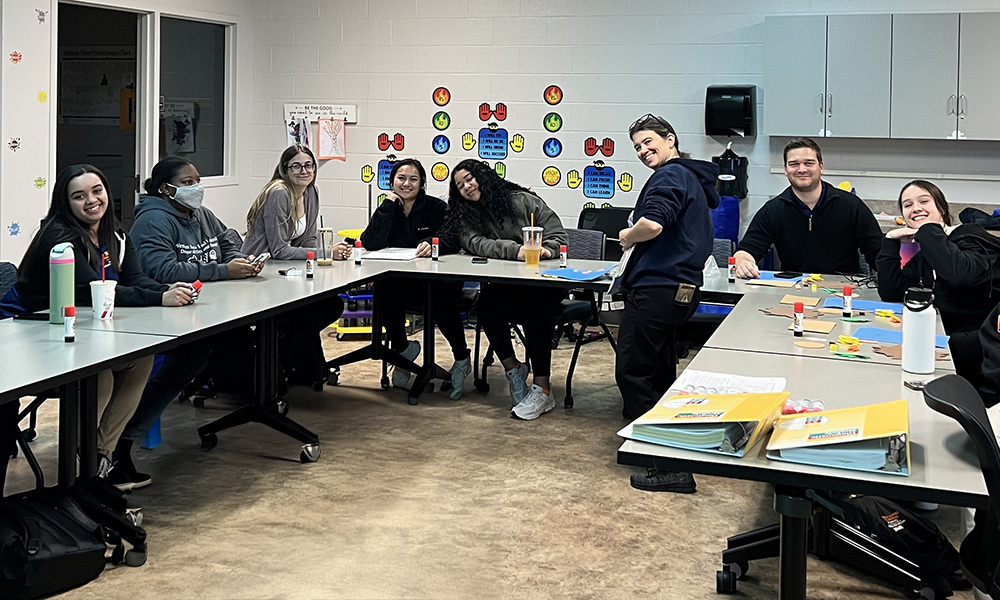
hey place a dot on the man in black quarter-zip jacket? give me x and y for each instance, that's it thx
(814, 227)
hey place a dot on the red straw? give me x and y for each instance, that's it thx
(532, 220)
(102, 269)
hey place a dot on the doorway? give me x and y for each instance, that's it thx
(96, 118)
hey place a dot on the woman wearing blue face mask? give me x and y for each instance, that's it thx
(177, 238)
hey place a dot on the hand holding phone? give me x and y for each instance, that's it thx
(261, 258)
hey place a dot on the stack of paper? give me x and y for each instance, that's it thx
(392, 254)
(719, 423)
(863, 438)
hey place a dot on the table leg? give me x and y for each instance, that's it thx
(430, 369)
(69, 432)
(795, 510)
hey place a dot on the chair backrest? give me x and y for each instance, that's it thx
(586, 244)
(610, 220)
(722, 249)
(955, 397)
(8, 277)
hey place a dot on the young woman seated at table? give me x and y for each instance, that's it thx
(282, 221)
(961, 263)
(81, 214)
(410, 218)
(487, 213)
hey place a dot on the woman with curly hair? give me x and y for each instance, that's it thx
(486, 214)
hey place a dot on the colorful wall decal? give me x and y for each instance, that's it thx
(551, 176)
(441, 120)
(43, 96)
(552, 147)
(15, 57)
(41, 16)
(625, 182)
(441, 96)
(591, 147)
(14, 228)
(384, 169)
(553, 95)
(397, 142)
(367, 173)
(599, 181)
(39, 182)
(441, 144)
(468, 141)
(492, 142)
(14, 144)
(589, 205)
(517, 142)
(573, 179)
(552, 122)
(439, 171)
(500, 169)
(606, 205)
(500, 112)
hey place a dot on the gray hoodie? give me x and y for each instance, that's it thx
(173, 246)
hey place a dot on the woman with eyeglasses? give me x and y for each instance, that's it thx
(282, 220)
(487, 213)
(409, 217)
(669, 238)
(961, 263)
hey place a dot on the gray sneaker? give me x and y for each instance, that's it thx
(401, 377)
(534, 405)
(518, 384)
(459, 371)
(103, 466)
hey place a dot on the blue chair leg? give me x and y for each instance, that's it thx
(152, 437)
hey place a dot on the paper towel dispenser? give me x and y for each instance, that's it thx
(731, 110)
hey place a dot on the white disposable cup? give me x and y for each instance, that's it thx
(102, 298)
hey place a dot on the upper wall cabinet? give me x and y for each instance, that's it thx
(924, 76)
(828, 76)
(978, 76)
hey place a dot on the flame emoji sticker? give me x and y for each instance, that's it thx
(441, 96)
(553, 95)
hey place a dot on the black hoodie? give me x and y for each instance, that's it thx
(678, 196)
(390, 227)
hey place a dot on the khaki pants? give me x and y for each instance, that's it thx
(118, 394)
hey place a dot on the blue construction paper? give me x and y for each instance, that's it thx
(871, 305)
(891, 336)
(769, 276)
(577, 274)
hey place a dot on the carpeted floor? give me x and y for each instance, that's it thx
(447, 499)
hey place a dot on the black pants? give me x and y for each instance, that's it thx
(533, 308)
(646, 365)
(393, 296)
(300, 347)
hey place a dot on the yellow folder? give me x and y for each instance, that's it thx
(874, 437)
(719, 423)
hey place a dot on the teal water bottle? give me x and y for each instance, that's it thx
(61, 280)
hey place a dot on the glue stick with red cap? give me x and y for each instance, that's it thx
(435, 248)
(848, 295)
(563, 256)
(69, 324)
(798, 319)
(357, 252)
(310, 261)
(732, 269)
(195, 289)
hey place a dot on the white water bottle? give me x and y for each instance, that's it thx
(918, 331)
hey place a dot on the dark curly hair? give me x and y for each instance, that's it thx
(494, 205)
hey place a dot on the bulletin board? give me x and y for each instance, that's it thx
(91, 80)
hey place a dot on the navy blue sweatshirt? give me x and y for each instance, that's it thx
(678, 196)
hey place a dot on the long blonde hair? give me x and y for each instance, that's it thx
(280, 179)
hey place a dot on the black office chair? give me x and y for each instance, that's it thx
(583, 308)
(955, 397)
(609, 219)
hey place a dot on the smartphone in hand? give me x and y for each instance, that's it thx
(261, 258)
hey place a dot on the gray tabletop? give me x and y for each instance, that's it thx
(943, 466)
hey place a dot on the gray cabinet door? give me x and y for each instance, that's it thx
(924, 76)
(978, 76)
(795, 75)
(858, 63)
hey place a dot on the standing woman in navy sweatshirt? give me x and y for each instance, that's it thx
(670, 238)
(411, 218)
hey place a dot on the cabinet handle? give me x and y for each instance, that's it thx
(952, 104)
(829, 105)
(963, 103)
(822, 103)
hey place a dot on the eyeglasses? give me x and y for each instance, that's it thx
(298, 168)
(650, 117)
(867, 281)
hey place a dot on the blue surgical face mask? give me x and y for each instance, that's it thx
(190, 196)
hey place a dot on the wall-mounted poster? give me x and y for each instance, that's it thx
(179, 124)
(91, 79)
(332, 139)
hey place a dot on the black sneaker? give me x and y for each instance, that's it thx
(654, 480)
(127, 479)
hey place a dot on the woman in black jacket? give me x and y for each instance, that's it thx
(81, 214)
(410, 218)
(960, 263)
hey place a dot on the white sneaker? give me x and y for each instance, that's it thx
(534, 405)
(401, 377)
(459, 371)
(103, 466)
(518, 379)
